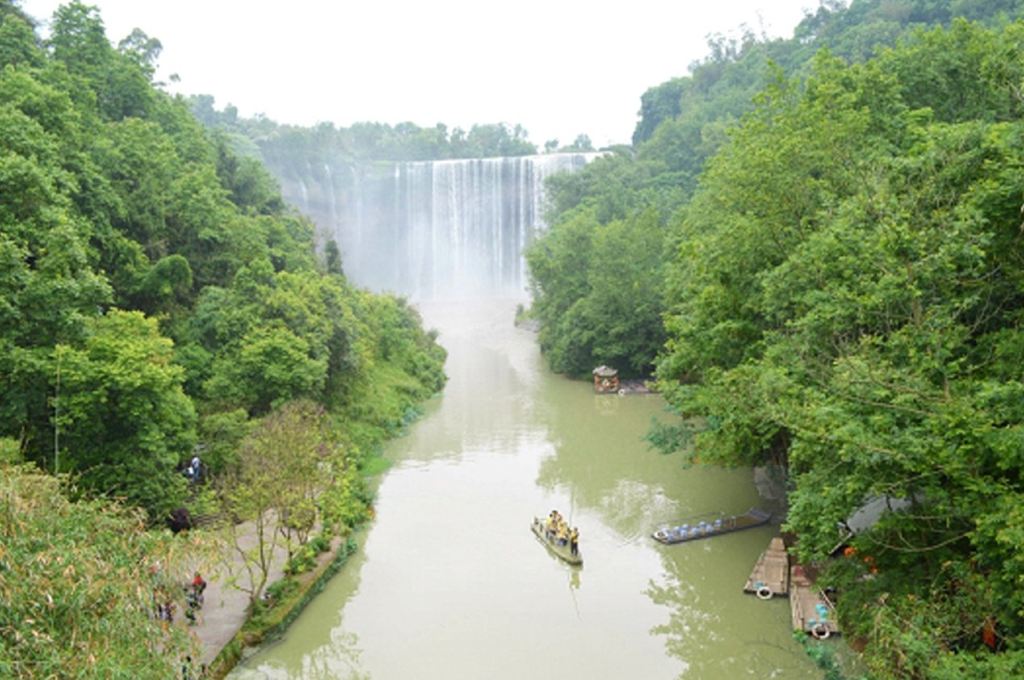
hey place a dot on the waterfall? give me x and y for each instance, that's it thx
(434, 229)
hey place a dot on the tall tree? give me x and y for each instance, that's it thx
(124, 420)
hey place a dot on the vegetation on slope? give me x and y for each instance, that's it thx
(684, 122)
(840, 293)
(157, 300)
(154, 282)
(80, 582)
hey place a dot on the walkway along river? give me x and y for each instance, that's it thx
(451, 584)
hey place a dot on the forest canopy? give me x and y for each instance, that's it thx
(155, 287)
(159, 302)
(820, 244)
(362, 142)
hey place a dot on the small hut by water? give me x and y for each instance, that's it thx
(606, 379)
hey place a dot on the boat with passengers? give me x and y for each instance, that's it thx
(554, 545)
(710, 525)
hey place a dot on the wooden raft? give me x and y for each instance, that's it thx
(770, 576)
(812, 611)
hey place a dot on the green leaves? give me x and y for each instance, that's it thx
(122, 226)
(125, 421)
(79, 582)
(841, 296)
(272, 365)
(598, 292)
(844, 299)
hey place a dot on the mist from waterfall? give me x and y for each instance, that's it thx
(432, 229)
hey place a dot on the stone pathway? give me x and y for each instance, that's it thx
(225, 605)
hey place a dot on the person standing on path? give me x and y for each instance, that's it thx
(198, 586)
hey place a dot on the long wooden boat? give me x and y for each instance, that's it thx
(693, 530)
(562, 551)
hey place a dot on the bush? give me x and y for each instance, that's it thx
(77, 582)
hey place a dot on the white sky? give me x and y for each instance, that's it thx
(558, 67)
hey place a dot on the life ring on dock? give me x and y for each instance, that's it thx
(820, 631)
(764, 592)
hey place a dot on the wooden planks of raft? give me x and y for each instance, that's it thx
(812, 611)
(770, 576)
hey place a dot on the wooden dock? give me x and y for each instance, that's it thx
(812, 611)
(770, 576)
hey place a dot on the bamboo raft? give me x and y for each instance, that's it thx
(704, 529)
(562, 551)
(812, 611)
(770, 576)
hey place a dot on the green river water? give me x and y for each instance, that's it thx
(450, 584)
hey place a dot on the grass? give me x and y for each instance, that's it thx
(375, 465)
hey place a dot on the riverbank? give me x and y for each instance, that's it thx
(289, 595)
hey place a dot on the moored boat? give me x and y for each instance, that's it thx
(562, 551)
(770, 575)
(811, 609)
(705, 528)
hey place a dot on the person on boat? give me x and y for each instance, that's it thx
(549, 525)
(574, 541)
(556, 521)
(563, 534)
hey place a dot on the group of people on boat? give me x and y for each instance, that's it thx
(557, 529)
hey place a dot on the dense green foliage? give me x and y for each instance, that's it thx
(841, 294)
(156, 293)
(684, 121)
(845, 299)
(157, 299)
(619, 292)
(79, 585)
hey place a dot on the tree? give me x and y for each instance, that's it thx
(125, 422)
(142, 50)
(332, 258)
(558, 278)
(79, 40)
(304, 468)
(586, 276)
(116, 205)
(18, 42)
(582, 143)
(269, 495)
(272, 365)
(626, 280)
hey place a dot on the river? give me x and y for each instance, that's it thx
(450, 584)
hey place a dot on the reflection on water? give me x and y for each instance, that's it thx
(451, 583)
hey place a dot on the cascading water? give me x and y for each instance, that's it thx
(433, 229)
